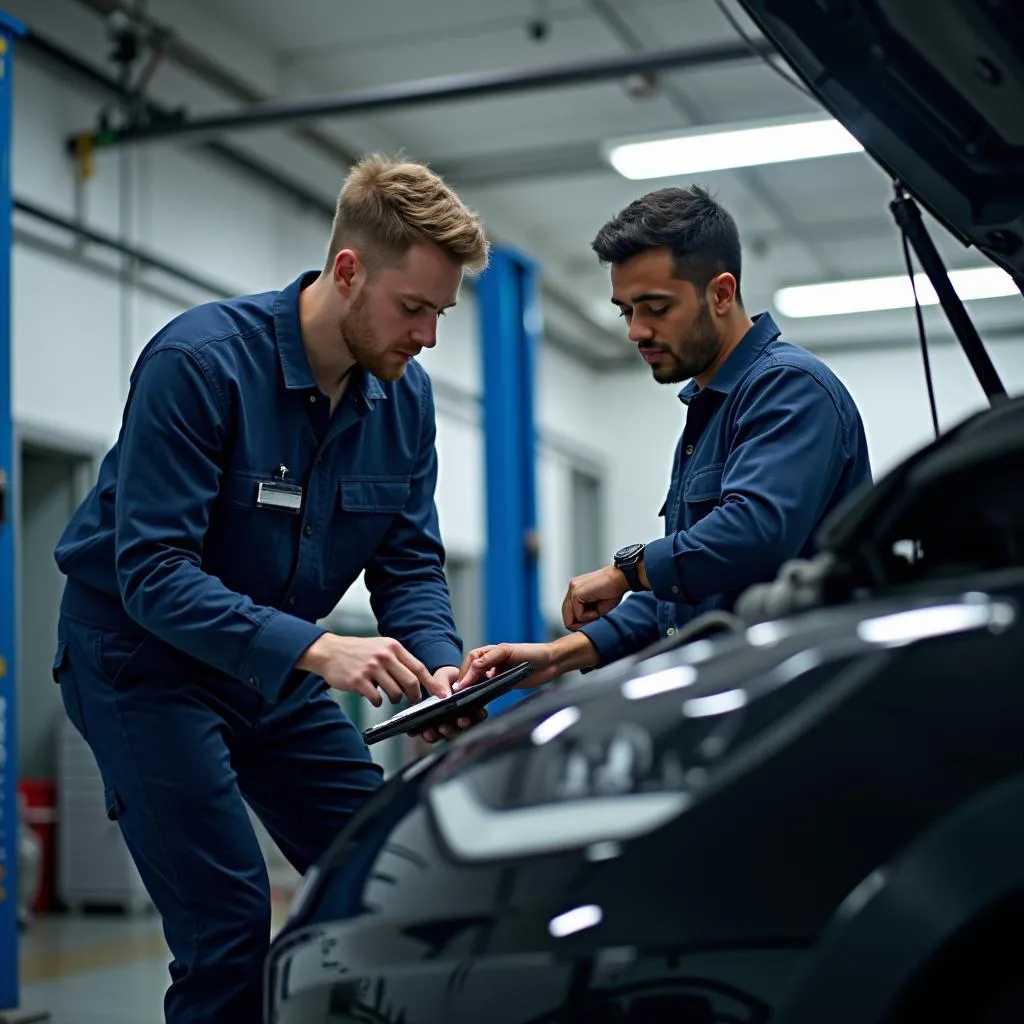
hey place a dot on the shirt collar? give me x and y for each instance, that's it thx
(292, 352)
(762, 332)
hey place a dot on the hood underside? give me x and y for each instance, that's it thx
(934, 91)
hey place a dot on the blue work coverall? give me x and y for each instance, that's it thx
(770, 447)
(187, 605)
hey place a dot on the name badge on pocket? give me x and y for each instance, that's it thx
(278, 495)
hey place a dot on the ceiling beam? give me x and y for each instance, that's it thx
(445, 89)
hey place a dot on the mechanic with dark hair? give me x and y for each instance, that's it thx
(772, 441)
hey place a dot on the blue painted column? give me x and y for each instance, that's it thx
(510, 325)
(10, 29)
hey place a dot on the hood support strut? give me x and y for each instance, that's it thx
(908, 218)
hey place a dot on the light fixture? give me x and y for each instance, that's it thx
(869, 294)
(720, 149)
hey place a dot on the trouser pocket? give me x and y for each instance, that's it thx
(117, 654)
(112, 803)
(64, 676)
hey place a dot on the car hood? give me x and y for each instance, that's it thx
(641, 741)
(935, 97)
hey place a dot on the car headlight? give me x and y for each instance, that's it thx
(562, 787)
(474, 831)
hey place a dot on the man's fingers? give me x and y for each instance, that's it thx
(392, 690)
(495, 657)
(480, 653)
(577, 608)
(413, 665)
(441, 683)
(567, 615)
(366, 689)
(406, 679)
(483, 665)
(584, 610)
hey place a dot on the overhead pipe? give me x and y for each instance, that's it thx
(41, 46)
(138, 255)
(171, 46)
(445, 89)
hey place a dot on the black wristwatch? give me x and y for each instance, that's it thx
(627, 559)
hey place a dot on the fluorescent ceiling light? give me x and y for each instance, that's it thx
(876, 293)
(766, 142)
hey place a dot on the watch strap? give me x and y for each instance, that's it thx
(629, 570)
(627, 561)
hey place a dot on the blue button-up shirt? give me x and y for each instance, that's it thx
(222, 400)
(770, 446)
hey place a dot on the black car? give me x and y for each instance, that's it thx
(807, 811)
(671, 839)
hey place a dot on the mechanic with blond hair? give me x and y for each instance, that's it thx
(273, 447)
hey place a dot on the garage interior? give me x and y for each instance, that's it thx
(163, 153)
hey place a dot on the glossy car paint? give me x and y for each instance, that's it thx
(667, 837)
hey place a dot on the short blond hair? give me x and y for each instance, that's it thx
(386, 206)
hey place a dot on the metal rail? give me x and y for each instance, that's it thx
(444, 89)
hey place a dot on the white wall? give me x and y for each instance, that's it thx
(888, 386)
(77, 329)
(890, 391)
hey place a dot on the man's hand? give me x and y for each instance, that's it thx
(566, 654)
(487, 662)
(366, 665)
(591, 596)
(447, 677)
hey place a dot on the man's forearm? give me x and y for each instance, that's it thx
(573, 652)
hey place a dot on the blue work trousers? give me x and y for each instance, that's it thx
(179, 748)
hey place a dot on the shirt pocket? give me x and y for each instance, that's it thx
(365, 508)
(251, 549)
(702, 491)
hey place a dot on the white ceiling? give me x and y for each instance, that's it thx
(531, 163)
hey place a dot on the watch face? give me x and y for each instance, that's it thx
(628, 552)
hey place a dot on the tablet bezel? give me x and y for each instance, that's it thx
(449, 707)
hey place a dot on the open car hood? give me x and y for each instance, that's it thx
(933, 90)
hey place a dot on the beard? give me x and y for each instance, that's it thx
(699, 350)
(368, 351)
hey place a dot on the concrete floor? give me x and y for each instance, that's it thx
(89, 969)
(98, 969)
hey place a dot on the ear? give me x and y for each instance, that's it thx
(722, 293)
(347, 271)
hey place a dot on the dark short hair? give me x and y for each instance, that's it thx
(699, 232)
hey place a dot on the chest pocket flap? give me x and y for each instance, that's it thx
(705, 484)
(374, 494)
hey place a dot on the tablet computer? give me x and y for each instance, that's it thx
(435, 710)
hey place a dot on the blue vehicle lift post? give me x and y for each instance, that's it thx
(10, 30)
(510, 326)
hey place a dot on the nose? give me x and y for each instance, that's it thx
(425, 337)
(639, 331)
